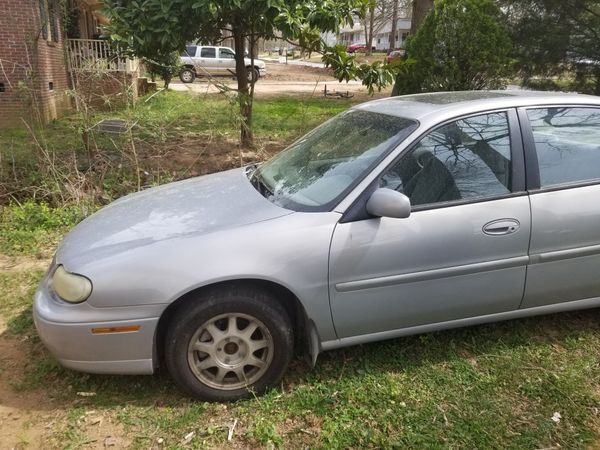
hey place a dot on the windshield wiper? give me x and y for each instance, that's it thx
(250, 169)
(257, 181)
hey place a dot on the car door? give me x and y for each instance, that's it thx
(563, 144)
(207, 61)
(463, 250)
(226, 60)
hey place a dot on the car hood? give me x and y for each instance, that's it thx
(199, 205)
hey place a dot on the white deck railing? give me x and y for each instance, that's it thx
(96, 55)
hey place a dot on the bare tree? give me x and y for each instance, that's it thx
(380, 13)
(376, 16)
(394, 24)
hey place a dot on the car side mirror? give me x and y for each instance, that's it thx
(386, 202)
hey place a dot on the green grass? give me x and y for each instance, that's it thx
(16, 293)
(273, 118)
(35, 228)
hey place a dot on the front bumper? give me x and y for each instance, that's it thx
(262, 72)
(66, 330)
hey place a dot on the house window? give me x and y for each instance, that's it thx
(49, 17)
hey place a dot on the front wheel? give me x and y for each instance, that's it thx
(228, 344)
(187, 75)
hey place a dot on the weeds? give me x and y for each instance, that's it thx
(173, 136)
(35, 228)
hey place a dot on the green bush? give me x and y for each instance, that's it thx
(462, 45)
(34, 228)
(165, 67)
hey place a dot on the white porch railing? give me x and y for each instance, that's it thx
(96, 55)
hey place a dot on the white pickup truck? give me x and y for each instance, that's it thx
(199, 60)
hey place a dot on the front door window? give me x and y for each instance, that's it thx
(468, 159)
(225, 53)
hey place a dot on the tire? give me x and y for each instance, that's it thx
(187, 75)
(253, 74)
(212, 352)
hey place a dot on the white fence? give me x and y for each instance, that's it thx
(96, 55)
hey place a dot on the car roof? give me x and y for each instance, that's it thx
(441, 105)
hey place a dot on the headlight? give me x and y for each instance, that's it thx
(70, 287)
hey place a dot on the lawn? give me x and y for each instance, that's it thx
(530, 384)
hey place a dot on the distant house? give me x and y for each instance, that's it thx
(42, 56)
(381, 39)
(354, 34)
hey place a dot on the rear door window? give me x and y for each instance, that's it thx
(208, 52)
(567, 143)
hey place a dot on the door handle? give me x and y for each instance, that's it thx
(501, 227)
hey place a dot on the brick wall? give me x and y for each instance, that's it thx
(33, 73)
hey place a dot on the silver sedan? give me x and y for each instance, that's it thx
(399, 216)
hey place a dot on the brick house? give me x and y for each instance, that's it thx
(48, 48)
(33, 74)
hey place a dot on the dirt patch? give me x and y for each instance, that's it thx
(21, 263)
(201, 155)
(282, 79)
(33, 419)
(22, 417)
(289, 72)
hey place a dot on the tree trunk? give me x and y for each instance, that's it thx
(392, 42)
(369, 49)
(244, 98)
(420, 9)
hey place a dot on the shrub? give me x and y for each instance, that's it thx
(165, 67)
(462, 45)
(34, 228)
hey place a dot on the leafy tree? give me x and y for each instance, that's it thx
(165, 67)
(461, 45)
(152, 27)
(345, 68)
(552, 36)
